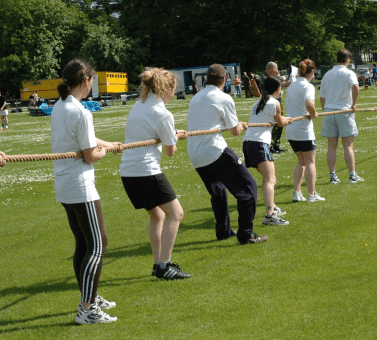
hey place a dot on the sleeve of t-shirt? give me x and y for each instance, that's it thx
(229, 115)
(166, 131)
(85, 132)
(309, 92)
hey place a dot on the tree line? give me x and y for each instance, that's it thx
(38, 37)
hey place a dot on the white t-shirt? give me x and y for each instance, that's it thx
(72, 130)
(295, 106)
(336, 87)
(262, 134)
(209, 109)
(148, 120)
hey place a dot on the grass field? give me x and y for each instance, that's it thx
(314, 279)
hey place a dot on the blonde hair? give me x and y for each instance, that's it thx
(157, 80)
(306, 67)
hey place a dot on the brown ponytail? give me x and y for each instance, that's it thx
(306, 67)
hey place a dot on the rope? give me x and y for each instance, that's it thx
(56, 156)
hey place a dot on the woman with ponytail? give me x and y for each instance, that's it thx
(256, 145)
(300, 102)
(72, 130)
(145, 184)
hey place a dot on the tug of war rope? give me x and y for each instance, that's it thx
(66, 155)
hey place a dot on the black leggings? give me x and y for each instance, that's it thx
(88, 226)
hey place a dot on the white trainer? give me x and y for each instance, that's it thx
(93, 315)
(355, 179)
(274, 219)
(298, 197)
(334, 179)
(315, 198)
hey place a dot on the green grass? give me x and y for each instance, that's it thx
(313, 279)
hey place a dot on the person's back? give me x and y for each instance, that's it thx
(336, 87)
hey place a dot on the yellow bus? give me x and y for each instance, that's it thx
(104, 82)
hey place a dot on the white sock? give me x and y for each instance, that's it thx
(162, 264)
(352, 173)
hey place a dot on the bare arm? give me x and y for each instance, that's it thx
(280, 119)
(170, 150)
(322, 103)
(239, 128)
(311, 108)
(94, 154)
(355, 95)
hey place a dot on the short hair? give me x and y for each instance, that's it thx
(157, 80)
(271, 65)
(343, 55)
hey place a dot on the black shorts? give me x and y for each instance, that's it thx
(255, 153)
(303, 145)
(148, 192)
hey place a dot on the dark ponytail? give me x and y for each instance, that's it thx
(74, 74)
(271, 84)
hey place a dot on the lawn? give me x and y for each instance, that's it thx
(314, 279)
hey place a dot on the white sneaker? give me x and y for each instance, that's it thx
(274, 219)
(6, 126)
(334, 179)
(101, 303)
(298, 197)
(355, 179)
(94, 315)
(315, 198)
(279, 211)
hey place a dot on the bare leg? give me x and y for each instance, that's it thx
(267, 169)
(162, 239)
(298, 173)
(310, 170)
(349, 155)
(331, 152)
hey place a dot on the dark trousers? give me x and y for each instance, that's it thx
(88, 226)
(228, 172)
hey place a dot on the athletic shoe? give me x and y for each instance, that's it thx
(2, 127)
(279, 211)
(272, 149)
(334, 179)
(274, 219)
(93, 315)
(6, 126)
(315, 198)
(171, 272)
(154, 269)
(298, 197)
(101, 302)
(355, 179)
(256, 239)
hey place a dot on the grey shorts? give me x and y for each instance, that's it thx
(340, 125)
(3, 112)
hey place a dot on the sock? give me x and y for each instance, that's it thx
(162, 264)
(332, 174)
(352, 173)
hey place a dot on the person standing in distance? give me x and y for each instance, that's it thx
(146, 186)
(339, 91)
(72, 130)
(217, 165)
(3, 112)
(273, 71)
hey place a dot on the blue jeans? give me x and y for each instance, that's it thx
(238, 90)
(228, 172)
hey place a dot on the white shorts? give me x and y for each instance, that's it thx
(3, 112)
(340, 125)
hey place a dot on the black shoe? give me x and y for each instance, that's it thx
(171, 272)
(278, 150)
(256, 239)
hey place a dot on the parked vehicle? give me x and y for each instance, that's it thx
(363, 76)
